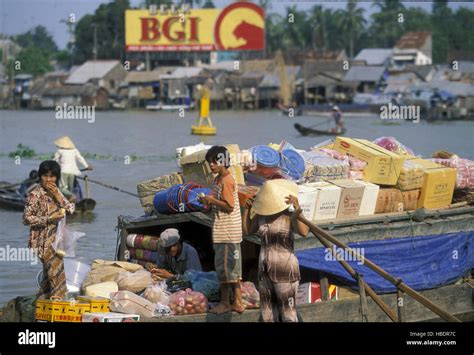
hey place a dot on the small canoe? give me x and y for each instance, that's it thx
(306, 131)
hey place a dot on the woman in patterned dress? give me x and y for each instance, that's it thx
(42, 213)
(278, 268)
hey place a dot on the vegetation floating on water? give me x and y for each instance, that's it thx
(24, 151)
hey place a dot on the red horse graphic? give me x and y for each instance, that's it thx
(253, 36)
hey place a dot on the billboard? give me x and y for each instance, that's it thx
(240, 26)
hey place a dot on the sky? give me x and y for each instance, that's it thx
(19, 16)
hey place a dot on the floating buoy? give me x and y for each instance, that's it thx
(204, 125)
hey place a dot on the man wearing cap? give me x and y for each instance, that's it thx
(175, 257)
(337, 115)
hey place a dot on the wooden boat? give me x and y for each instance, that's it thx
(196, 229)
(307, 131)
(10, 199)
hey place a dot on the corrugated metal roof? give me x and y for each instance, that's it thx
(374, 56)
(91, 70)
(142, 76)
(183, 72)
(364, 73)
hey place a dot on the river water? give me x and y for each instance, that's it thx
(152, 138)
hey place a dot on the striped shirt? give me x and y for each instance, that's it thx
(226, 227)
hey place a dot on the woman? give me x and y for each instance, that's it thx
(66, 156)
(278, 268)
(42, 213)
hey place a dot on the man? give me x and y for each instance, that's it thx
(337, 115)
(174, 257)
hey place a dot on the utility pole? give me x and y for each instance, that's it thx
(94, 50)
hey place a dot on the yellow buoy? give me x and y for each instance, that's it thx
(204, 125)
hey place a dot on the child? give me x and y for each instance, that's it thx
(226, 230)
(66, 156)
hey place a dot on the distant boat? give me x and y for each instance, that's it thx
(171, 105)
(306, 131)
(10, 199)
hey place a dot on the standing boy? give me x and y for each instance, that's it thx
(226, 230)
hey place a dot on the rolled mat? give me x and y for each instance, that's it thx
(143, 254)
(141, 241)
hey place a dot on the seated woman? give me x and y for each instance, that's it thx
(278, 268)
(175, 257)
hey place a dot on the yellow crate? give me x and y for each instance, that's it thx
(61, 311)
(98, 304)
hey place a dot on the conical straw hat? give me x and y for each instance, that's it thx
(64, 142)
(271, 197)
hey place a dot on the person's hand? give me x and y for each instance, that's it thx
(90, 167)
(53, 189)
(162, 273)
(206, 199)
(56, 216)
(294, 201)
(249, 203)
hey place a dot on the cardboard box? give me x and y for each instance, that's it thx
(389, 200)
(310, 292)
(410, 199)
(327, 201)
(438, 185)
(369, 199)
(351, 197)
(61, 311)
(197, 170)
(307, 197)
(110, 317)
(383, 166)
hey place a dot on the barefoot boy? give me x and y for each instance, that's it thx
(226, 230)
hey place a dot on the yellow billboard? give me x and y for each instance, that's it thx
(240, 26)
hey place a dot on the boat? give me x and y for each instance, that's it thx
(308, 131)
(171, 105)
(195, 227)
(10, 199)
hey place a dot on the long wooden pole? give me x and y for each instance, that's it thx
(322, 234)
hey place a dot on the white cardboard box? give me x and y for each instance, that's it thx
(351, 197)
(369, 200)
(307, 196)
(109, 317)
(327, 202)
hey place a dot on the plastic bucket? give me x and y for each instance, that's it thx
(266, 156)
(292, 164)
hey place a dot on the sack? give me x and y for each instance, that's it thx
(250, 295)
(130, 303)
(147, 189)
(205, 282)
(134, 281)
(188, 302)
(157, 294)
(105, 270)
(66, 239)
(103, 289)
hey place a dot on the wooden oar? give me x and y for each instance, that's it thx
(323, 235)
(107, 185)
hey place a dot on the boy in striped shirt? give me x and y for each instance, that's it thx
(226, 230)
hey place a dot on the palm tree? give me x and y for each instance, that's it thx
(352, 23)
(295, 35)
(385, 21)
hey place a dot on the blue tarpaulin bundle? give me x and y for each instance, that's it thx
(421, 262)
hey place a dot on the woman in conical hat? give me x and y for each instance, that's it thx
(278, 268)
(66, 156)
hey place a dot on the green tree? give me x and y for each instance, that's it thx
(109, 21)
(296, 28)
(209, 4)
(34, 61)
(38, 38)
(352, 24)
(386, 29)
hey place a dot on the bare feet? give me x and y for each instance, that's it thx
(238, 307)
(220, 309)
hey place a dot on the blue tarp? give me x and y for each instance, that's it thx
(421, 262)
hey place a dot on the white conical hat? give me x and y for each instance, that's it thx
(271, 197)
(64, 142)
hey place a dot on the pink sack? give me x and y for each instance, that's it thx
(187, 302)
